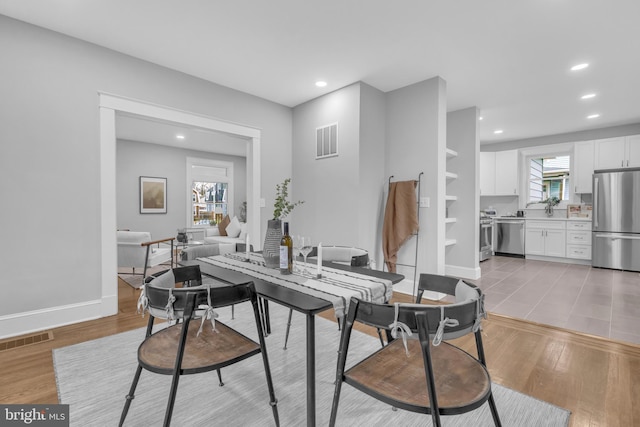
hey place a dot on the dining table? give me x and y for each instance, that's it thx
(303, 292)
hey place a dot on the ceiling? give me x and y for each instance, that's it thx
(131, 127)
(511, 59)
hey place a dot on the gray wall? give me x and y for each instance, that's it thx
(401, 133)
(416, 142)
(327, 185)
(462, 136)
(50, 161)
(50, 157)
(373, 182)
(135, 159)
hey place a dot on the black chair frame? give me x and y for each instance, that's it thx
(423, 319)
(187, 301)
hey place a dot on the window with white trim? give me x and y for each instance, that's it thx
(548, 177)
(210, 183)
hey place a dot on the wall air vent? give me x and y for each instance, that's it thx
(327, 141)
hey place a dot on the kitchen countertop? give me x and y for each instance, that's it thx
(542, 218)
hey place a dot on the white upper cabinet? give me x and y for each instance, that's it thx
(583, 167)
(633, 151)
(507, 173)
(499, 173)
(616, 153)
(610, 153)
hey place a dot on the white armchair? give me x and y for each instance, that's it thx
(137, 250)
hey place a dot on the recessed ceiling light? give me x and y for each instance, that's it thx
(593, 116)
(588, 96)
(480, 118)
(321, 83)
(579, 67)
(180, 136)
(498, 131)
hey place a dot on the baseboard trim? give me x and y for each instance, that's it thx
(558, 259)
(462, 272)
(33, 321)
(406, 287)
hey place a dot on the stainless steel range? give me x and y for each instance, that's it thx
(486, 237)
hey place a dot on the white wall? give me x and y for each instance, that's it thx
(135, 159)
(503, 204)
(50, 162)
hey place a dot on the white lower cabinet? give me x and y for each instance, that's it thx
(546, 238)
(579, 239)
(578, 252)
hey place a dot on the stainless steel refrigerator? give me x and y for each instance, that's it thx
(616, 219)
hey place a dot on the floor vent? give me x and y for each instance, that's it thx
(36, 338)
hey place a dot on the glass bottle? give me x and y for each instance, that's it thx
(286, 251)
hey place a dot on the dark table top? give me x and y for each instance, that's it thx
(394, 277)
(290, 298)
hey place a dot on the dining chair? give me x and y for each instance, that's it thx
(199, 251)
(196, 343)
(425, 375)
(347, 255)
(436, 283)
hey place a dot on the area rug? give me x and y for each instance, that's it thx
(94, 378)
(135, 280)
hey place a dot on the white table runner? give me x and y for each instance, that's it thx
(336, 286)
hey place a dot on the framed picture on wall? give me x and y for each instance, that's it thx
(153, 195)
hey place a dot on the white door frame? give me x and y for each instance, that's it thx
(111, 104)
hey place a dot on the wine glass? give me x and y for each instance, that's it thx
(305, 248)
(297, 245)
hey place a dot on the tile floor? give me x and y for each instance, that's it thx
(591, 300)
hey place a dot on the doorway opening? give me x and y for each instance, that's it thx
(110, 105)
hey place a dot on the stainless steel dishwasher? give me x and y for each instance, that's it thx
(509, 239)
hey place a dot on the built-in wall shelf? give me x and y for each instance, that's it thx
(450, 178)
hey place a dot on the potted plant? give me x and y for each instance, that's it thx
(281, 208)
(550, 202)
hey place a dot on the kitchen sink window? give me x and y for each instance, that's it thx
(548, 177)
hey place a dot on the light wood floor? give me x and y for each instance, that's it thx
(597, 379)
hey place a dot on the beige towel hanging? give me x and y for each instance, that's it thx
(400, 220)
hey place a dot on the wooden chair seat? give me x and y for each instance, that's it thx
(209, 351)
(430, 376)
(179, 350)
(391, 376)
